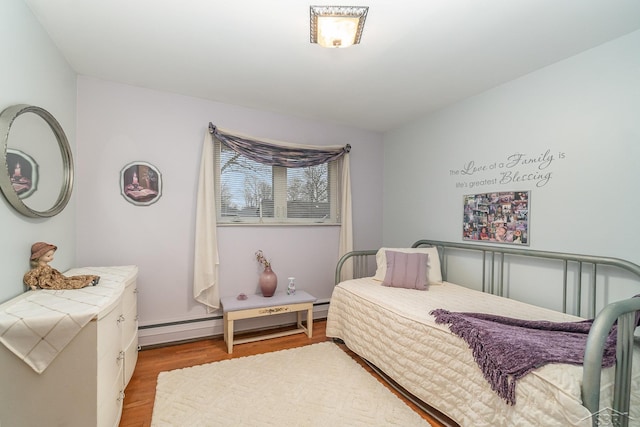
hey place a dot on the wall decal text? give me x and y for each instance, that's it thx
(514, 168)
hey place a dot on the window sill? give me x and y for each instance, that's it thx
(277, 224)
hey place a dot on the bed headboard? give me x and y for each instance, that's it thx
(494, 259)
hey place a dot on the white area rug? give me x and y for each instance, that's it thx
(315, 385)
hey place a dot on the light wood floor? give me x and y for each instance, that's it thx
(140, 393)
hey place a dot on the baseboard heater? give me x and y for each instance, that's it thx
(210, 327)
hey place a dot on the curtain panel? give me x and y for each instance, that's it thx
(206, 289)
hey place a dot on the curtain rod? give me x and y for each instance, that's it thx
(212, 130)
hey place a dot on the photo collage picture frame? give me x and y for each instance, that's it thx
(497, 217)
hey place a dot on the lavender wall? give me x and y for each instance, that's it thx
(34, 72)
(119, 124)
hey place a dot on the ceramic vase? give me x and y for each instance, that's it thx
(268, 282)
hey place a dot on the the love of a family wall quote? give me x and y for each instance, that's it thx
(515, 168)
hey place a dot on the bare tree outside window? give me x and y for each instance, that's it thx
(248, 191)
(308, 192)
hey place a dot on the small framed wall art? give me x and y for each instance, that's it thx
(23, 171)
(500, 217)
(141, 183)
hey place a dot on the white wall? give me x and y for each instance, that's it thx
(584, 111)
(118, 124)
(32, 71)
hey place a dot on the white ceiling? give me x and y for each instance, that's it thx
(415, 56)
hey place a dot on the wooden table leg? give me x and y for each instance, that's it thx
(228, 333)
(299, 315)
(224, 326)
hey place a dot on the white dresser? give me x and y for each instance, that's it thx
(67, 356)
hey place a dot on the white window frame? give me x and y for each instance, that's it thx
(279, 185)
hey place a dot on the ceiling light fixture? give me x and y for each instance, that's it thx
(337, 26)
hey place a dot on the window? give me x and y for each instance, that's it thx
(251, 192)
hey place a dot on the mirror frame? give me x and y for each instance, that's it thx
(7, 117)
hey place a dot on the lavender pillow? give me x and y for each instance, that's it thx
(406, 270)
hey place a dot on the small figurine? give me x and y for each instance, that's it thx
(291, 289)
(43, 276)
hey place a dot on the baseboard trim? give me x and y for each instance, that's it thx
(211, 327)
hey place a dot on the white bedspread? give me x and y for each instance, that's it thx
(392, 328)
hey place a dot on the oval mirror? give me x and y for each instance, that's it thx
(36, 172)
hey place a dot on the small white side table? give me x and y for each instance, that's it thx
(258, 306)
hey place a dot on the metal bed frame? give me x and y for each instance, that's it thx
(622, 312)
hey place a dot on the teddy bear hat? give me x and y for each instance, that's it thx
(40, 248)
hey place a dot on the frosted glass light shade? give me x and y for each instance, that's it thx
(337, 26)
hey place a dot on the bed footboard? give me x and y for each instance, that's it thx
(625, 313)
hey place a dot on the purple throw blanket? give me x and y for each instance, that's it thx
(507, 349)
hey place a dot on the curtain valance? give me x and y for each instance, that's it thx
(278, 154)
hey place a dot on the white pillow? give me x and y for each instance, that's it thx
(434, 274)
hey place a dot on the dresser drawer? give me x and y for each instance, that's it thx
(109, 333)
(129, 325)
(129, 297)
(130, 358)
(110, 401)
(110, 367)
